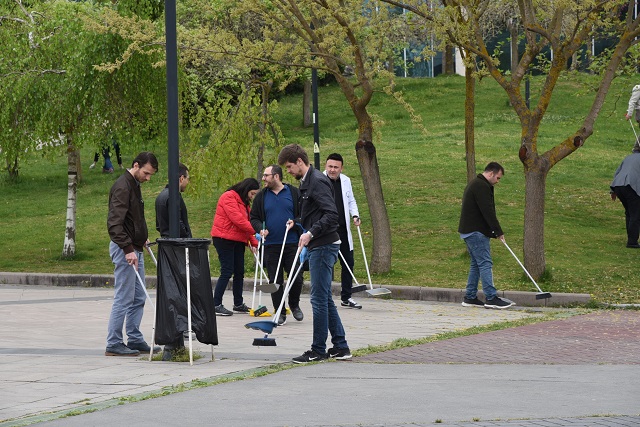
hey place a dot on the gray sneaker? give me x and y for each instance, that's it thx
(143, 347)
(120, 350)
(221, 311)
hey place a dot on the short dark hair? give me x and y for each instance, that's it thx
(243, 188)
(182, 170)
(144, 158)
(291, 153)
(494, 167)
(276, 170)
(335, 156)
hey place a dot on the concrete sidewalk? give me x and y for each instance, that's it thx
(52, 362)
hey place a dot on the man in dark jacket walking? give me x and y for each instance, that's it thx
(128, 231)
(319, 218)
(478, 223)
(272, 207)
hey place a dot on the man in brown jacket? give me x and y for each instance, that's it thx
(128, 231)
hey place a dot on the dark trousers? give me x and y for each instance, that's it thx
(631, 202)
(345, 277)
(231, 257)
(271, 255)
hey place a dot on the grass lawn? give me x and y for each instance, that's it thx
(423, 176)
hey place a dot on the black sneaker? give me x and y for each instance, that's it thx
(350, 303)
(498, 303)
(282, 319)
(221, 311)
(242, 308)
(339, 353)
(297, 314)
(120, 350)
(475, 302)
(143, 347)
(309, 356)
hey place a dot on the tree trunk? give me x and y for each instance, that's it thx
(368, 162)
(448, 61)
(535, 184)
(307, 120)
(469, 123)
(262, 125)
(12, 168)
(73, 156)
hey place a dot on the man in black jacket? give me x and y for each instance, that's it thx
(162, 207)
(128, 231)
(272, 207)
(478, 223)
(319, 219)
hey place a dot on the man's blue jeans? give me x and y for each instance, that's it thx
(128, 298)
(481, 266)
(325, 314)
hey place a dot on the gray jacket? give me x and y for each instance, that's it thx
(628, 173)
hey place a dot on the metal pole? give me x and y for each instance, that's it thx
(316, 129)
(172, 117)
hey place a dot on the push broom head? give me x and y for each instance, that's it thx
(259, 311)
(543, 295)
(265, 326)
(264, 342)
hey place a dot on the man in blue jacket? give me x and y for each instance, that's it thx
(319, 217)
(272, 208)
(478, 223)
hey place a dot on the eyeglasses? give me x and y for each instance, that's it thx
(264, 175)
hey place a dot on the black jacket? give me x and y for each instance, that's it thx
(318, 212)
(258, 216)
(125, 221)
(162, 215)
(478, 209)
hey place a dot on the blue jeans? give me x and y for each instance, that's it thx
(231, 257)
(325, 314)
(128, 298)
(481, 266)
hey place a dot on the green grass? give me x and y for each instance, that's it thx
(423, 176)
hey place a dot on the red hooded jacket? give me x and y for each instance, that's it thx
(231, 220)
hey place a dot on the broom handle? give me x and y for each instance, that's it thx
(288, 285)
(634, 132)
(525, 270)
(347, 266)
(286, 231)
(364, 255)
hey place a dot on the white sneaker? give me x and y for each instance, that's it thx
(93, 165)
(350, 303)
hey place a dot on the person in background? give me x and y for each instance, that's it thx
(347, 210)
(478, 224)
(128, 232)
(626, 187)
(273, 206)
(108, 165)
(231, 232)
(319, 219)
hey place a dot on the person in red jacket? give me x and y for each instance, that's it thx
(231, 232)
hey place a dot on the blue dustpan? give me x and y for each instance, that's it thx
(265, 326)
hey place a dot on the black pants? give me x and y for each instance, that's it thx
(271, 255)
(631, 202)
(345, 277)
(231, 257)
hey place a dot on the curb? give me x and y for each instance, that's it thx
(418, 293)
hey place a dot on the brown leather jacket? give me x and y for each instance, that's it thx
(125, 221)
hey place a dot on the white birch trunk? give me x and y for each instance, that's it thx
(69, 248)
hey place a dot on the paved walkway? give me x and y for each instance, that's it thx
(580, 371)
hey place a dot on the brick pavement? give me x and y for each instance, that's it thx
(605, 337)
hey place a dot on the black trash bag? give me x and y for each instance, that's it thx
(172, 316)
